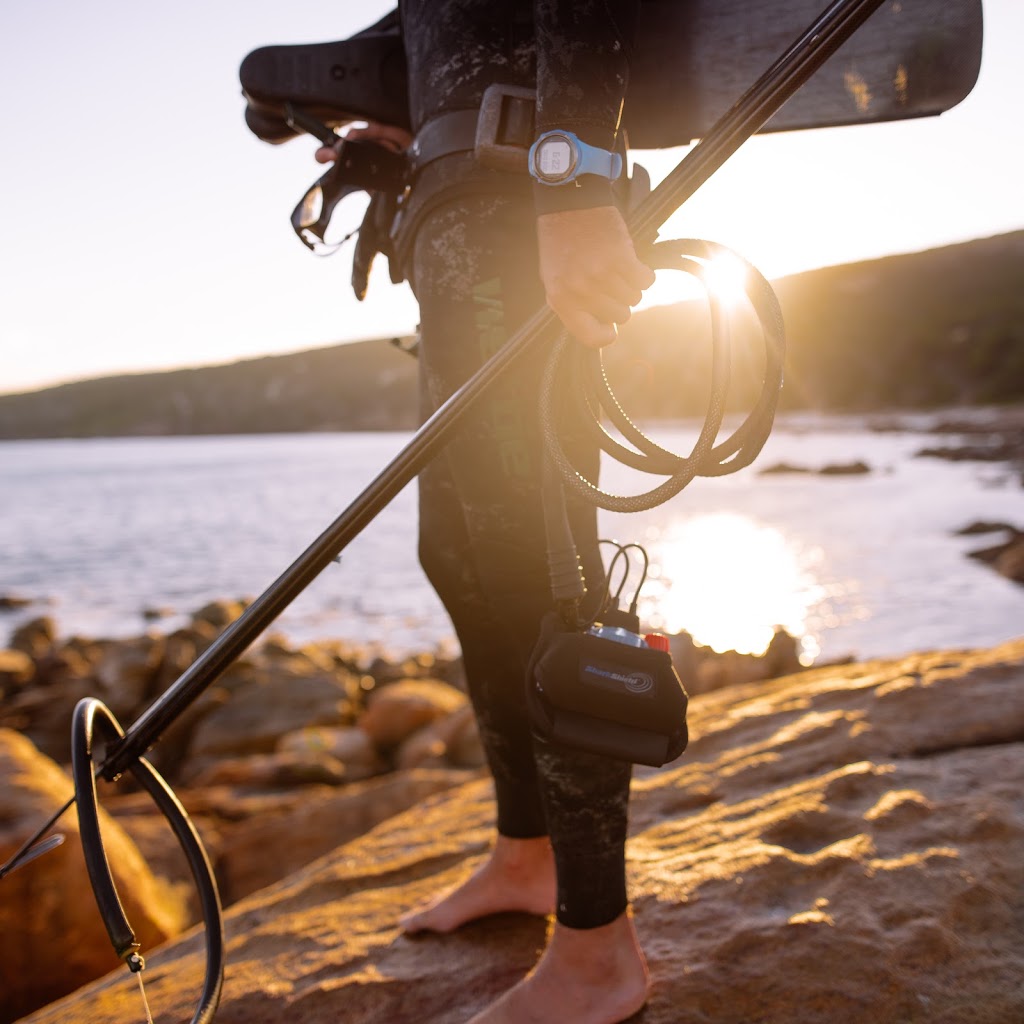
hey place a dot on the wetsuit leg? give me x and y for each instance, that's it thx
(482, 542)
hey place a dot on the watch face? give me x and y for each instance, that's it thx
(555, 159)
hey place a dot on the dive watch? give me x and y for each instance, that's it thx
(559, 157)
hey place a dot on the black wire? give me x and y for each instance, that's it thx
(706, 458)
(621, 552)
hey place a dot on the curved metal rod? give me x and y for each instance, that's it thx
(91, 715)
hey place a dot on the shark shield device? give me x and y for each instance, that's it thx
(608, 689)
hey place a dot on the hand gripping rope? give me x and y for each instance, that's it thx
(125, 749)
(706, 459)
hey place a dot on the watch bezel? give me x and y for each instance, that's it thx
(574, 149)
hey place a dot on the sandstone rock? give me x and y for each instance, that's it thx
(394, 712)
(43, 713)
(1007, 557)
(261, 849)
(1010, 561)
(35, 637)
(349, 745)
(126, 672)
(264, 709)
(17, 669)
(703, 670)
(272, 771)
(256, 839)
(845, 844)
(219, 614)
(52, 938)
(451, 740)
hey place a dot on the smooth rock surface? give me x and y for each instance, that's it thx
(52, 938)
(842, 846)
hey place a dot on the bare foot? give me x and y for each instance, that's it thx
(519, 875)
(588, 976)
(591, 976)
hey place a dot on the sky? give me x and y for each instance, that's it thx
(143, 227)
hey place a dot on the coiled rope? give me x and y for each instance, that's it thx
(691, 256)
(577, 370)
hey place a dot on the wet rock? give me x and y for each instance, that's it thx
(52, 940)
(856, 468)
(703, 670)
(1006, 558)
(11, 602)
(983, 526)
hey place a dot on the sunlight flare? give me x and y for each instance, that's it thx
(726, 277)
(729, 582)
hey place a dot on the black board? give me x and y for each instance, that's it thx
(693, 60)
(912, 58)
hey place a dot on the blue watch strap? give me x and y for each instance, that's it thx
(560, 157)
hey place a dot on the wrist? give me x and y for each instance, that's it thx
(584, 194)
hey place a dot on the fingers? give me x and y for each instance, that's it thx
(391, 136)
(328, 154)
(590, 271)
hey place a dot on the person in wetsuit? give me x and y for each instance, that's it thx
(483, 249)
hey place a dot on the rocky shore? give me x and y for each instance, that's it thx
(840, 844)
(290, 754)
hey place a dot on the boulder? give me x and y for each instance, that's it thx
(219, 614)
(263, 706)
(125, 672)
(52, 939)
(272, 771)
(844, 844)
(35, 637)
(449, 741)
(17, 670)
(349, 745)
(394, 712)
(1007, 558)
(1010, 561)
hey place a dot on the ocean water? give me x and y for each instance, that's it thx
(96, 533)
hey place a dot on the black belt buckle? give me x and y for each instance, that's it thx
(506, 127)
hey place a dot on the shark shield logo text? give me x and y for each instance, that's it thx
(634, 682)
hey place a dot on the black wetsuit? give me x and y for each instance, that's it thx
(472, 263)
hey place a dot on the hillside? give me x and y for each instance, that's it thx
(940, 327)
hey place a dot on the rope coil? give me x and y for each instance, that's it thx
(691, 256)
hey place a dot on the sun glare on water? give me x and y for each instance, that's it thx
(729, 582)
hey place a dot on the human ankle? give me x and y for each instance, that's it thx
(608, 950)
(522, 855)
